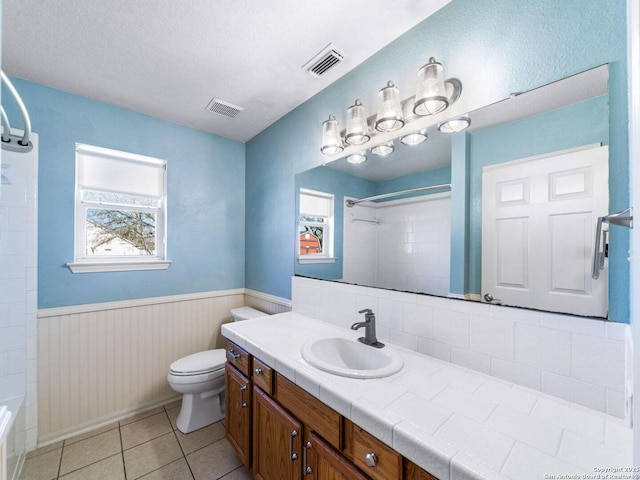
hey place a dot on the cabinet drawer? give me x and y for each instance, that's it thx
(414, 472)
(311, 411)
(238, 357)
(262, 376)
(375, 458)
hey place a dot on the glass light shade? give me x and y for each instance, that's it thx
(455, 125)
(331, 141)
(414, 138)
(383, 150)
(431, 96)
(389, 118)
(357, 127)
(356, 158)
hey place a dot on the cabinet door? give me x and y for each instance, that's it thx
(324, 463)
(238, 413)
(277, 441)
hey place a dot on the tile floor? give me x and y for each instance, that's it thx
(145, 446)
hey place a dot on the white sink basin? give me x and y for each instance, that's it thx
(350, 358)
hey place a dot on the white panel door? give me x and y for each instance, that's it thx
(538, 225)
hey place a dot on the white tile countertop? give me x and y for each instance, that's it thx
(456, 423)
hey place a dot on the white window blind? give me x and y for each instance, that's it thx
(314, 204)
(98, 169)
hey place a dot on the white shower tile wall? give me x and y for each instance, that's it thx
(18, 286)
(402, 244)
(573, 358)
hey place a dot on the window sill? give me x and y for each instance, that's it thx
(317, 260)
(93, 267)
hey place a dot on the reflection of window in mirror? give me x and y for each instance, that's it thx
(315, 227)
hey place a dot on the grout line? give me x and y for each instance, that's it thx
(60, 462)
(184, 456)
(124, 466)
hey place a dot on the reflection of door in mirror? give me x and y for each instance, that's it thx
(538, 219)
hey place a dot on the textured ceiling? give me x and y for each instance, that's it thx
(168, 59)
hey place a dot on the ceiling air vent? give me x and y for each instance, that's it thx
(225, 109)
(328, 58)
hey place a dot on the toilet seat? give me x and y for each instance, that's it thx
(201, 363)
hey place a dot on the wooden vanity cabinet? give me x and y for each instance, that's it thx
(326, 463)
(282, 432)
(277, 440)
(372, 456)
(238, 413)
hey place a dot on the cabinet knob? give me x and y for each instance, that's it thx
(258, 371)
(370, 459)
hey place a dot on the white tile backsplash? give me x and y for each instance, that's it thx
(598, 360)
(577, 391)
(573, 358)
(451, 328)
(492, 336)
(543, 348)
(470, 359)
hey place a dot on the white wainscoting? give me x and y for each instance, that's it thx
(573, 358)
(101, 362)
(98, 363)
(266, 303)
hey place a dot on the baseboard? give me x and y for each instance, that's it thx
(102, 422)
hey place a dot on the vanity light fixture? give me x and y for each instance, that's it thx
(383, 149)
(455, 125)
(331, 139)
(414, 138)
(434, 95)
(356, 158)
(389, 118)
(357, 126)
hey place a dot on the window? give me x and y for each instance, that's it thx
(120, 220)
(315, 233)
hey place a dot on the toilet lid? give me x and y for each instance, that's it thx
(199, 362)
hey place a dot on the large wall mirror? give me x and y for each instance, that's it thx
(503, 212)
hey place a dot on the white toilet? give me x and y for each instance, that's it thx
(200, 378)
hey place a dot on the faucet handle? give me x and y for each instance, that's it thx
(366, 311)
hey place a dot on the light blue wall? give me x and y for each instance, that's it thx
(494, 47)
(206, 206)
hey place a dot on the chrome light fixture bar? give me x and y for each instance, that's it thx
(433, 96)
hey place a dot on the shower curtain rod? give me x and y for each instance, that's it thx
(9, 141)
(351, 203)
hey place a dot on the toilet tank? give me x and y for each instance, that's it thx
(246, 313)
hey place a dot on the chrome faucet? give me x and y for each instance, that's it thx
(369, 325)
